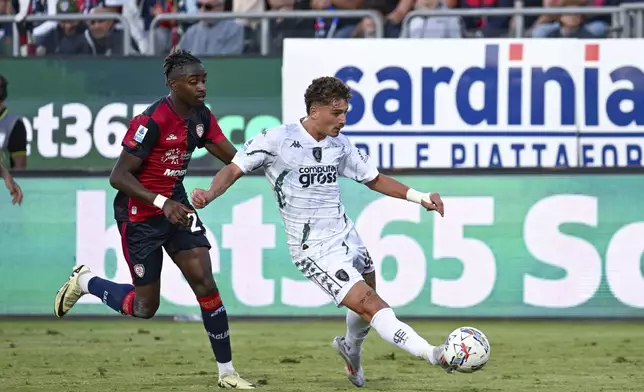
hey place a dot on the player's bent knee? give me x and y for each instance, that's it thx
(372, 305)
(145, 309)
(364, 300)
(204, 287)
(202, 283)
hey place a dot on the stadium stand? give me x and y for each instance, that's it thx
(235, 36)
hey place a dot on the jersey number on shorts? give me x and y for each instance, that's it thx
(194, 223)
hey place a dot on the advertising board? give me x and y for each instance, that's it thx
(508, 246)
(436, 103)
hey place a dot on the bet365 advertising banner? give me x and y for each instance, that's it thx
(76, 110)
(559, 245)
(481, 103)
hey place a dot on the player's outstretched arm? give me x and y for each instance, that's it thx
(393, 188)
(222, 150)
(361, 168)
(223, 180)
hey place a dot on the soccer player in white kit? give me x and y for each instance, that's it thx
(302, 162)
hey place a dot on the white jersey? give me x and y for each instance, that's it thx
(303, 174)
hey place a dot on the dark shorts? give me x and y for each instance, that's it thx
(143, 244)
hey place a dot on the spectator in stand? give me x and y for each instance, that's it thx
(251, 36)
(434, 26)
(128, 8)
(131, 11)
(335, 27)
(26, 29)
(68, 38)
(6, 29)
(50, 8)
(213, 37)
(473, 25)
(572, 25)
(598, 25)
(367, 28)
(503, 26)
(288, 28)
(249, 6)
(395, 11)
(167, 34)
(103, 38)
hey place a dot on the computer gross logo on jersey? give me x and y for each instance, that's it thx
(318, 175)
(482, 103)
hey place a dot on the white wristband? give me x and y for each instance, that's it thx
(415, 196)
(159, 201)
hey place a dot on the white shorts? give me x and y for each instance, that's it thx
(335, 265)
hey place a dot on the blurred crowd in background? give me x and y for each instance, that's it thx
(242, 36)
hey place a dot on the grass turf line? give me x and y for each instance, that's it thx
(114, 356)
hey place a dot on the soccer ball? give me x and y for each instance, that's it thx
(466, 350)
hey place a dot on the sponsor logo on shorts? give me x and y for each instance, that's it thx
(342, 275)
(139, 270)
(175, 173)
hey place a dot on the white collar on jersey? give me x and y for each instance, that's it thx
(304, 131)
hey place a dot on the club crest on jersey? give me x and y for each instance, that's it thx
(139, 270)
(317, 153)
(200, 130)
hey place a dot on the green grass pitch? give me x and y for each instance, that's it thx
(147, 355)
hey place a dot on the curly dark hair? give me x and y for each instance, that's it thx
(325, 90)
(178, 59)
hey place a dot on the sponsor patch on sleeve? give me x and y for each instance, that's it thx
(140, 134)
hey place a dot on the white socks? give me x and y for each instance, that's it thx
(225, 368)
(357, 330)
(400, 334)
(83, 280)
